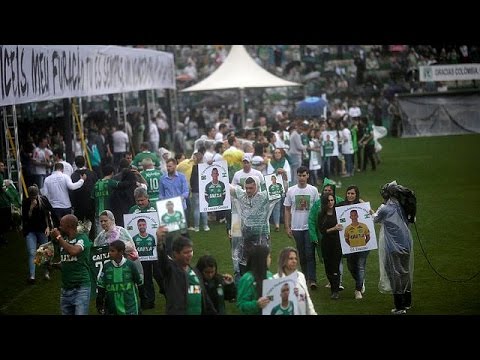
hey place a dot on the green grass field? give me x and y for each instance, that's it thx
(445, 175)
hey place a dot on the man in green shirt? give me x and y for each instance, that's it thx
(143, 245)
(75, 258)
(215, 192)
(143, 204)
(145, 153)
(102, 193)
(152, 177)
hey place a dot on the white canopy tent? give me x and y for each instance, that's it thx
(239, 71)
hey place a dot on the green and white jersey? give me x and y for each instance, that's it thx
(174, 221)
(279, 310)
(152, 177)
(215, 193)
(275, 190)
(144, 245)
(102, 192)
(76, 269)
(120, 283)
(194, 294)
(98, 257)
(135, 209)
(137, 160)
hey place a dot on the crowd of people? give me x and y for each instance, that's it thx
(128, 168)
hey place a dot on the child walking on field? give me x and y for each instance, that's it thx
(118, 284)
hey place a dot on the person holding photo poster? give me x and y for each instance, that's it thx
(250, 287)
(356, 234)
(287, 265)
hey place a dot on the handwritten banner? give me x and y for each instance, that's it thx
(42, 72)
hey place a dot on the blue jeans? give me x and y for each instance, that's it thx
(195, 202)
(349, 163)
(295, 163)
(306, 254)
(33, 240)
(276, 212)
(75, 301)
(356, 263)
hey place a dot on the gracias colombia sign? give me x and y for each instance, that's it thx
(450, 72)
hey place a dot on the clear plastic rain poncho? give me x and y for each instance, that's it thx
(395, 249)
(250, 225)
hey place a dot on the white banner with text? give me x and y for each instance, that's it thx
(30, 73)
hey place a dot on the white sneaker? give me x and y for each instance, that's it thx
(191, 228)
(398, 312)
(328, 285)
(363, 288)
(47, 276)
(206, 228)
(358, 295)
(340, 288)
(196, 229)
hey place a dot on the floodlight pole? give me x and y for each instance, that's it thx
(242, 106)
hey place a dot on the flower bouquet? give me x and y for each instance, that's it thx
(44, 254)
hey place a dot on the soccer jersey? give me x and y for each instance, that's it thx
(215, 193)
(357, 234)
(173, 221)
(328, 147)
(98, 257)
(135, 209)
(194, 294)
(152, 177)
(102, 193)
(144, 245)
(76, 269)
(279, 310)
(120, 283)
(137, 160)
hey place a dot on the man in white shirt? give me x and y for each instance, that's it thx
(56, 190)
(298, 202)
(67, 168)
(41, 161)
(120, 144)
(241, 175)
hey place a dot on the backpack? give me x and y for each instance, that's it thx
(94, 155)
(408, 201)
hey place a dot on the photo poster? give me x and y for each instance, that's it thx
(274, 289)
(214, 186)
(170, 214)
(360, 236)
(274, 183)
(142, 227)
(327, 137)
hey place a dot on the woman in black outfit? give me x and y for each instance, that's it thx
(330, 243)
